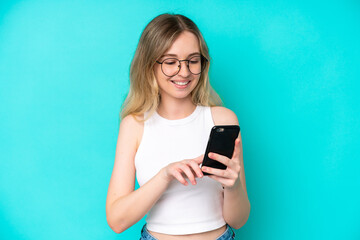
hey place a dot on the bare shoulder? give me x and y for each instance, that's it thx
(131, 120)
(131, 128)
(223, 116)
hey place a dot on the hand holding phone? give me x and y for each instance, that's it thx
(222, 141)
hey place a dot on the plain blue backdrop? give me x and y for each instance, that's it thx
(290, 70)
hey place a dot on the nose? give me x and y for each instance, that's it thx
(184, 69)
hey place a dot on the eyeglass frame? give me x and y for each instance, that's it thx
(184, 60)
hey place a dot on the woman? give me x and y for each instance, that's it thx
(166, 121)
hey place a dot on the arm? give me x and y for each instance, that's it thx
(236, 197)
(124, 206)
(236, 207)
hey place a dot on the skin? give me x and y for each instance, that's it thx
(125, 207)
(176, 103)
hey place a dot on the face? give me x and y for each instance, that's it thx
(181, 85)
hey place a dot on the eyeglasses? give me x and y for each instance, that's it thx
(171, 66)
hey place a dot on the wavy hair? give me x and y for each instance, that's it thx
(155, 40)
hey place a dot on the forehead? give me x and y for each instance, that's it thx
(187, 43)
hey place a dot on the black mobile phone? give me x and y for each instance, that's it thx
(222, 141)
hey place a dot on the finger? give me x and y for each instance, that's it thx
(220, 158)
(186, 169)
(215, 171)
(217, 178)
(180, 178)
(199, 159)
(195, 167)
(224, 181)
(236, 152)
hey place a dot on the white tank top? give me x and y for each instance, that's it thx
(181, 209)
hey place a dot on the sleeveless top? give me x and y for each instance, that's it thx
(181, 209)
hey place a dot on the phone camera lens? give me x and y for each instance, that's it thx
(220, 129)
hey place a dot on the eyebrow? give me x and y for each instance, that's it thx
(174, 55)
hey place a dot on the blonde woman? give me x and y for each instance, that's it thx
(166, 121)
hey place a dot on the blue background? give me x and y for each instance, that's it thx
(289, 69)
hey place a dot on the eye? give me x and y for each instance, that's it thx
(170, 61)
(195, 60)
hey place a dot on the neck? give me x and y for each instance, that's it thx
(173, 109)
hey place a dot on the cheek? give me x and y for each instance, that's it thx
(197, 79)
(158, 74)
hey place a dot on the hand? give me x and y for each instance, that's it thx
(189, 167)
(230, 177)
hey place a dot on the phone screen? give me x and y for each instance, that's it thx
(222, 141)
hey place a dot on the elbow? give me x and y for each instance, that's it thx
(239, 224)
(115, 228)
(117, 225)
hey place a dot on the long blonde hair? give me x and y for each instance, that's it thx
(155, 40)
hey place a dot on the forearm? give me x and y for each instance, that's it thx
(236, 207)
(129, 209)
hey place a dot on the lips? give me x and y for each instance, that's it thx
(181, 84)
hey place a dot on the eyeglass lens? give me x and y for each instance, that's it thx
(171, 66)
